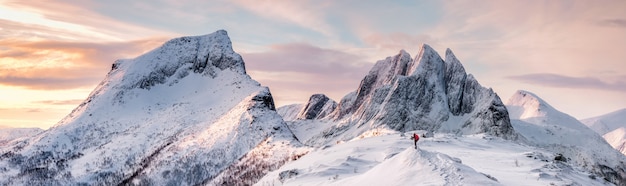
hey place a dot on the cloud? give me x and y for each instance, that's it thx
(556, 80)
(74, 20)
(617, 22)
(295, 71)
(301, 57)
(60, 102)
(50, 64)
(307, 14)
(396, 41)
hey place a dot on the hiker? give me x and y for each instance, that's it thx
(415, 139)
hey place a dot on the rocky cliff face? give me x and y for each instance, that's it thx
(425, 93)
(319, 106)
(183, 114)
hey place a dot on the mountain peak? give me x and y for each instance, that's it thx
(421, 94)
(177, 58)
(427, 61)
(319, 106)
(524, 104)
(185, 113)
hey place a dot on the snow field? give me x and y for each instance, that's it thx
(442, 160)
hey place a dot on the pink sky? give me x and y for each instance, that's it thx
(570, 53)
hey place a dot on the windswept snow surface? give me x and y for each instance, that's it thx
(444, 159)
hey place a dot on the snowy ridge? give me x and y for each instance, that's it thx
(608, 122)
(544, 126)
(404, 94)
(612, 127)
(443, 159)
(617, 139)
(9, 134)
(179, 114)
(290, 112)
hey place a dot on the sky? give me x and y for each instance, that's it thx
(570, 53)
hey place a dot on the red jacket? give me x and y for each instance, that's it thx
(416, 137)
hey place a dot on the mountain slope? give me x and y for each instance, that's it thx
(179, 114)
(9, 134)
(290, 112)
(426, 93)
(606, 123)
(617, 139)
(612, 127)
(544, 126)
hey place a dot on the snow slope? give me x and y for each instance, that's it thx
(444, 159)
(9, 134)
(545, 127)
(608, 122)
(180, 114)
(617, 139)
(612, 127)
(290, 112)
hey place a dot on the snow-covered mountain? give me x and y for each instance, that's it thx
(612, 127)
(185, 113)
(544, 126)
(426, 93)
(9, 134)
(617, 139)
(290, 112)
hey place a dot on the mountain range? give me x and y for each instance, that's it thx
(187, 113)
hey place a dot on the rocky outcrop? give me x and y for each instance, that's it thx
(319, 106)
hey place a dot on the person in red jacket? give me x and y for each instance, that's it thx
(415, 139)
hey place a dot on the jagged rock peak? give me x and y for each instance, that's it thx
(427, 60)
(319, 106)
(455, 78)
(204, 54)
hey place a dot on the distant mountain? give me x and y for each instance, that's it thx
(290, 112)
(544, 126)
(617, 139)
(608, 122)
(426, 93)
(611, 126)
(185, 113)
(8, 134)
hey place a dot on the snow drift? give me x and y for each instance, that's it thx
(180, 114)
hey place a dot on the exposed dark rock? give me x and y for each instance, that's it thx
(318, 107)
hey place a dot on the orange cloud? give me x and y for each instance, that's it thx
(75, 21)
(50, 64)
